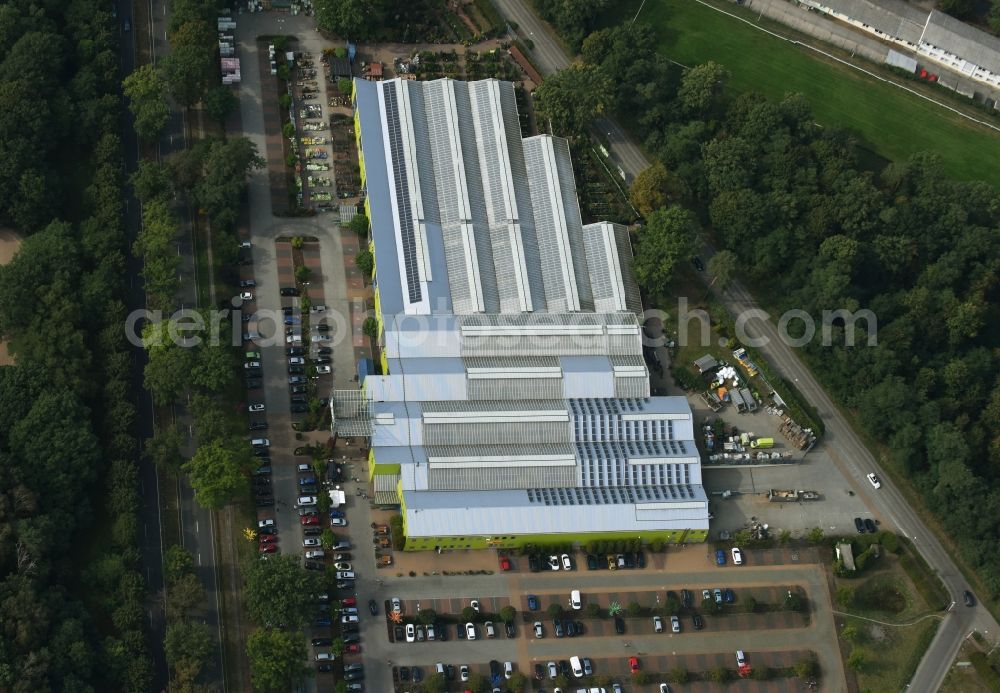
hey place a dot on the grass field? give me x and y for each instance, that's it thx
(889, 120)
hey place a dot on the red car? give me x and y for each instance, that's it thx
(352, 648)
(267, 538)
(309, 520)
(268, 548)
(349, 601)
(633, 664)
(504, 563)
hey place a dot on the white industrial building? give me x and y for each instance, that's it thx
(514, 403)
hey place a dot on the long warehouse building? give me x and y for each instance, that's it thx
(513, 405)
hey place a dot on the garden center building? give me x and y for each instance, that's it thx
(514, 402)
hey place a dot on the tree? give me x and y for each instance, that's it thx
(857, 660)
(845, 596)
(370, 328)
(555, 610)
(701, 89)
(188, 645)
(722, 266)
(220, 103)
(165, 374)
(177, 562)
(164, 448)
(719, 675)
(279, 591)
(435, 683)
(146, 92)
(574, 19)
(963, 9)
(807, 667)
(359, 225)
(993, 18)
(517, 682)
(634, 608)
(469, 614)
(794, 602)
(350, 19)
(182, 596)
(151, 180)
(750, 605)
(302, 274)
(225, 169)
(427, 616)
(815, 535)
(277, 659)
(678, 675)
(365, 262)
(190, 66)
(761, 673)
(571, 98)
(653, 188)
(217, 470)
(666, 240)
(592, 610)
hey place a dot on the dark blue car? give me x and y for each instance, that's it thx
(532, 602)
(720, 557)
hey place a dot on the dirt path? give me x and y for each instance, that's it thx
(10, 241)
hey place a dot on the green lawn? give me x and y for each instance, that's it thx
(893, 122)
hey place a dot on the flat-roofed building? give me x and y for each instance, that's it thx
(513, 404)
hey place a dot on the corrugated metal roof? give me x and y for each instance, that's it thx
(386, 489)
(961, 39)
(510, 513)
(894, 18)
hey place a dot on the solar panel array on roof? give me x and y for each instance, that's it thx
(407, 231)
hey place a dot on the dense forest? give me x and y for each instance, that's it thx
(72, 599)
(811, 227)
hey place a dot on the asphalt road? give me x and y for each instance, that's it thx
(197, 528)
(151, 541)
(855, 461)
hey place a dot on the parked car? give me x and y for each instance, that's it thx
(870, 525)
(737, 556)
(532, 602)
(675, 624)
(288, 291)
(697, 622)
(657, 624)
(470, 631)
(567, 564)
(720, 557)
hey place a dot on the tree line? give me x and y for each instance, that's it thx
(810, 224)
(74, 597)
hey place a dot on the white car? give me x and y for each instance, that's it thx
(470, 631)
(293, 339)
(304, 469)
(657, 624)
(324, 370)
(307, 500)
(463, 672)
(737, 556)
(874, 480)
(553, 670)
(675, 624)
(251, 364)
(260, 442)
(265, 523)
(246, 295)
(411, 633)
(566, 563)
(310, 542)
(397, 605)
(324, 657)
(315, 553)
(318, 309)
(664, 688)
(475, 605)
(349, 618)
(554, 562)
(338, 522)
(257, 406)
(575, 600)
(296, 361)
(317, 338)
(342, 566)
(345, 575)
(539, 630)
(741, 659)
(508, 669)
